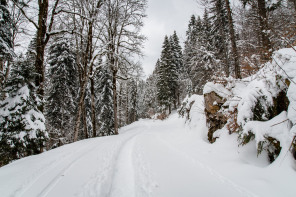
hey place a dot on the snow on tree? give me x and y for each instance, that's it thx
(177, 61)
(220, 38)
(105, 103)
(6, 43)
(164, 94)
(62, 92)
(6, 25)
(22, 125)
(133, 99)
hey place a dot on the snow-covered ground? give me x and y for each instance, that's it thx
(150, 158)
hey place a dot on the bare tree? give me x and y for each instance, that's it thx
(122, 37)
(87, 23)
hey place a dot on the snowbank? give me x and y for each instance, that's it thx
(263, 104)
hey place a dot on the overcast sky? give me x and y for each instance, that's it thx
(163, 17)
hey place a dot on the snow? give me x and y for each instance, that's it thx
(150, 158)
(278, 128)
(216, 87)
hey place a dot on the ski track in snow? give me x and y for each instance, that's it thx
(143, 161)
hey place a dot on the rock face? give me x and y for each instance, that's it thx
(215, 119)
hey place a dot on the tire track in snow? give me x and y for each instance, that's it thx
(42, 172)
(212, 172)
(123, 178)
(112, 170)
(55, 180)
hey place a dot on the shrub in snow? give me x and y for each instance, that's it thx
(269, 135)
(22, 128)
(255, 103)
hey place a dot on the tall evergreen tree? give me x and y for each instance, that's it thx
(188, 45)
(164, 91)
(6, 25)
(220, 35)
(177, 59)
(133, 99)
(62, 99)
(6, 43)
(105, 103)
(22, 128)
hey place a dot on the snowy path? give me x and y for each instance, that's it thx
(148, 158)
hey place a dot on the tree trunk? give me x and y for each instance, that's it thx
(266, 44)
(120, 106)
(84, 80)
(233, 41)
(84, 114)
(126, 107)
(40, 44)
(115, 100)
(93, 111)
(79, 111)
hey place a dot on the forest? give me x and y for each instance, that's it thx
(71, 70)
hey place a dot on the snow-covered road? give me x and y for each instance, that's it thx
(148, 158)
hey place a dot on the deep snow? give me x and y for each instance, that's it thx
(150, 158)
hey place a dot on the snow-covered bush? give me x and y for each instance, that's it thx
(257, 103)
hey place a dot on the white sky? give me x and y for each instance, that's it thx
(163, 17)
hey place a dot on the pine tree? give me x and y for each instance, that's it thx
(174, 67)
(188, 53)
(133, 99)
(105, 103)
(22, 128)
(61, 101)
(150, 92)
(6, 43)
(163, 88)
(6, 25)
(220, 37)
(178, 61)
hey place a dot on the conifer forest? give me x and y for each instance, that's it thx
(73, 86)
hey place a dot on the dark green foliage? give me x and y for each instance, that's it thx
(6, 25)
(105, 103)
(133, 101)
(272, 146)
(22, 129)
(62, 91)
(166, 75)
(220, 36)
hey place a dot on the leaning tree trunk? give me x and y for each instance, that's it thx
(233, 41)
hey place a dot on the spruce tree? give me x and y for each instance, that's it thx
(22, 128)
(173, 70)
(189, 45)
(164, 93)
(6, 25)
(105, 102)
(220, 36)
(6, 42)
(63, 87)
(133, 99)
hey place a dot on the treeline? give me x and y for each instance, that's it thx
(78, 78)
(226, 43)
